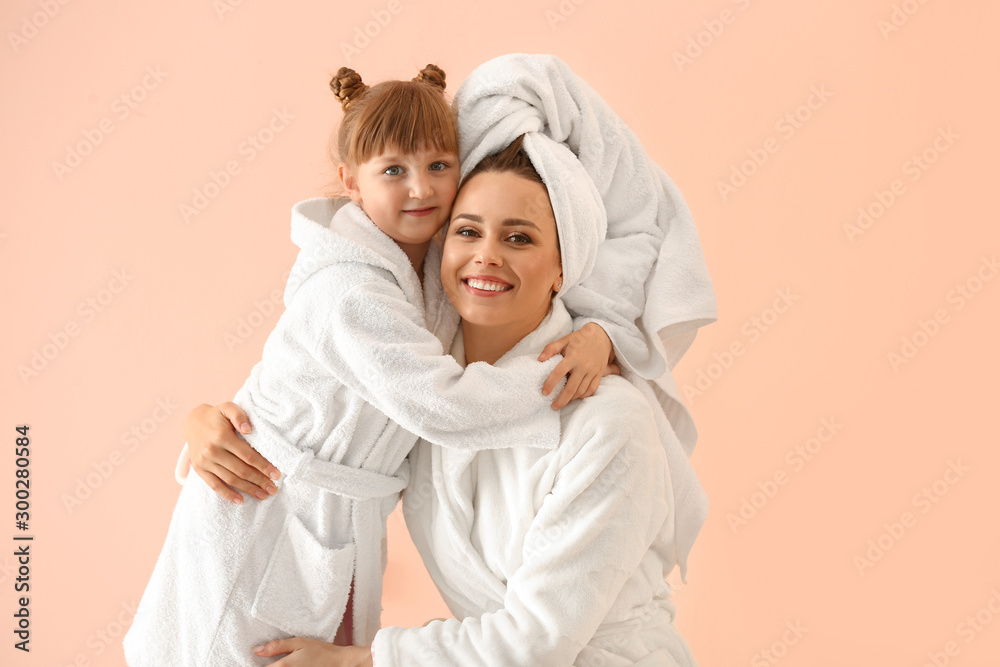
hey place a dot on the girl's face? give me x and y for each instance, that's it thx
(407, 195)
(501, 254)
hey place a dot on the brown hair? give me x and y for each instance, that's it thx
(513, 160)
(404, 115)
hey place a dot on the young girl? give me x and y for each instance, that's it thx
(353, 372)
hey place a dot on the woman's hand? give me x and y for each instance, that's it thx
(304, 652)
(587, 357)
(222, 458)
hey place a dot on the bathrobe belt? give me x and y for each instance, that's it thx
(367, 489)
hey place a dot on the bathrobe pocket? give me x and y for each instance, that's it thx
(305, 586)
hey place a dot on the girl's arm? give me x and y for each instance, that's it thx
(587, 357)
(607, 505)
(374, 342)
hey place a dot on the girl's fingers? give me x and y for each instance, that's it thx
(555, 347)
(562, 369)
(569, 392)
(611, 369)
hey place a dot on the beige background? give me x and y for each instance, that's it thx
(133, 311)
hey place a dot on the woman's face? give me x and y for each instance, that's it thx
(501, 253)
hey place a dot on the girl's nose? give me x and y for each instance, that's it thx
(420, 187)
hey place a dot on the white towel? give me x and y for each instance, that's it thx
(651, 270)
(649, 288)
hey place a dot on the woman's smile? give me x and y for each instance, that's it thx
(487, 286)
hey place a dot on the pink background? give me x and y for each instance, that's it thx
(157, 335)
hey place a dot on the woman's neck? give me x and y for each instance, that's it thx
(489, 343)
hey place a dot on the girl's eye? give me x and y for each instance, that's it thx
(439, 166)
(393, 171)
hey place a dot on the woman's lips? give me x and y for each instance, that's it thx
(486, 286)
(420, 212)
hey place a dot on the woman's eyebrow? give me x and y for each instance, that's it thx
(508, 222)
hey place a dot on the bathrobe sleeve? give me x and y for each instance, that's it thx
(607, 504)
(375, 342)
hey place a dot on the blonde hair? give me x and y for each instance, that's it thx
(408, 116)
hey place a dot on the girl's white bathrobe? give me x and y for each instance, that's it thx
(549, 557)
(348, 377)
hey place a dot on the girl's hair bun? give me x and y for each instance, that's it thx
(433, 75)
(347, 86)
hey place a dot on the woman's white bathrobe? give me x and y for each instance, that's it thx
(548, 557)
(348, 377)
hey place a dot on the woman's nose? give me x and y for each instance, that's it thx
(488, 252)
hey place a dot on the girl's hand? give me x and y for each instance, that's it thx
(587, 357)
(304, 652)
(222, 458)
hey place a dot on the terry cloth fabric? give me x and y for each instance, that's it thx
(349, 377)
(547, 557)
(649, 288)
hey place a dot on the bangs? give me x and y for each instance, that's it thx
(405, 116)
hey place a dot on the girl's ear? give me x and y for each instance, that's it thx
(349, 181)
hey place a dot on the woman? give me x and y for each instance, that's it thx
(545, 557)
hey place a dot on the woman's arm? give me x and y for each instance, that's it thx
(606, 507)
(222, 458)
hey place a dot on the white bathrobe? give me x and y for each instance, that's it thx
(548, 558)
(348, 377)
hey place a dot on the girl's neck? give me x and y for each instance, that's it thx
(416, 254)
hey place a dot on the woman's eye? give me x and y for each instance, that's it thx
(466, 231)
(519, 239)
(439, 166)
(393, 171)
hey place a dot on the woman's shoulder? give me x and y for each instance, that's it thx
(617, 416)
